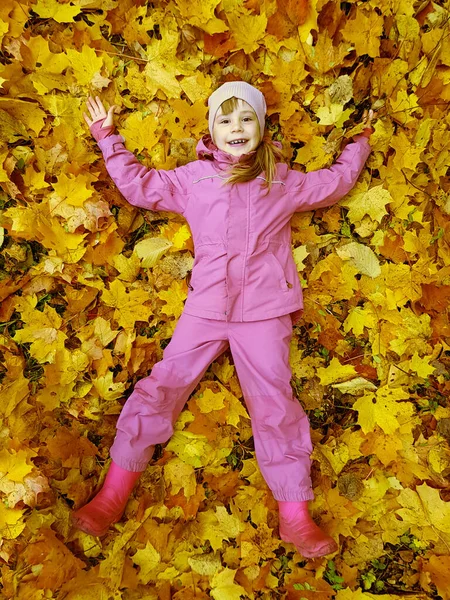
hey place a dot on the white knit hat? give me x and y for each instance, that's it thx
(238, 89)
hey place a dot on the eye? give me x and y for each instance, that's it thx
(223, 121)
(248, 118)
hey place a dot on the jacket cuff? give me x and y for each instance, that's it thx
(367, 132)
(107, 145)
(361, 137)
(99, 132)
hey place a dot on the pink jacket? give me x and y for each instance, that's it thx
(243, 268)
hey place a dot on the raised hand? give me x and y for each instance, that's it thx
(98, 112)
(368, 117)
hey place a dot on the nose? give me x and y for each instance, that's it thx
(236, 126)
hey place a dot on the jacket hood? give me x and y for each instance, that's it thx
(207, 149)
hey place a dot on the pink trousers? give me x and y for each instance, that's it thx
(260, 351)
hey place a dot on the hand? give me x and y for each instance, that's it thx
(98, 112)
(367, 118)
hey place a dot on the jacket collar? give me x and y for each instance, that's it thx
(207, 150)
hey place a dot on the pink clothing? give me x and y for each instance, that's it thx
(244, 293)
(243, 269)
(260, 352)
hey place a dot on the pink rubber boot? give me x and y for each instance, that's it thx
(108, 505)
(297, 527)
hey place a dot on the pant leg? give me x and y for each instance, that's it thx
(149, 414)
(281, 429)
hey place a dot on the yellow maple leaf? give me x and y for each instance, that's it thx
(162, 70)
(14, 392)
(197, 87)
(191, 118)
(61, 13)
(218, 525)
(174, 298)
(191, 448)
(364, 32)
(383, 409)
(65, 110)
(425, 510)
(52, 396)
(25, 112)
(335, 372)
(223, 586)
(371, 202)
(200, 13)
(336, 453)
(11, 522)
(42, 55)
(247, 29)
(421, 366)
(313, 155)
(223, 371)
(33, 222)
(67, 366)
(106, 388)
(412, 334)
(407, 155)
(42, 329)
(129, 305)
(72, 190)
(405, 106)
(13, 465)
(49, 74)
(208, 401)
(128, 267)
(325, 55)
(3, 29)
(385, 446)
(147, 559)
(360, 317)
(333, 114)
(34, 180)
(140, 132)
(86, 65)
(179, 475)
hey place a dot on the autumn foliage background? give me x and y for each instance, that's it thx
(92, 288)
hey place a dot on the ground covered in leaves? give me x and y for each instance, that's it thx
(92, 288)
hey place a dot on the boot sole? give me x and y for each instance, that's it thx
(326, 550)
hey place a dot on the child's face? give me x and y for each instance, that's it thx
(239, 126)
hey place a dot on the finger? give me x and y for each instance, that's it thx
(87, 119)
(92, 106)
(100, 106)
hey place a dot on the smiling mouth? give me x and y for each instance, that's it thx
(237, 142)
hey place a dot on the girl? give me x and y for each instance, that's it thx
(238, 199)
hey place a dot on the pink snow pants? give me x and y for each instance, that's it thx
(260, 351)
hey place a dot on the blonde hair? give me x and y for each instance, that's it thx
(266, 157)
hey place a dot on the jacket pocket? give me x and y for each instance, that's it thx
(279, 272)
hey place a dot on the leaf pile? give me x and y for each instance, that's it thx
(91, 290)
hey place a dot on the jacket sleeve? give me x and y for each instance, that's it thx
(153, 189)
(325, 187)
